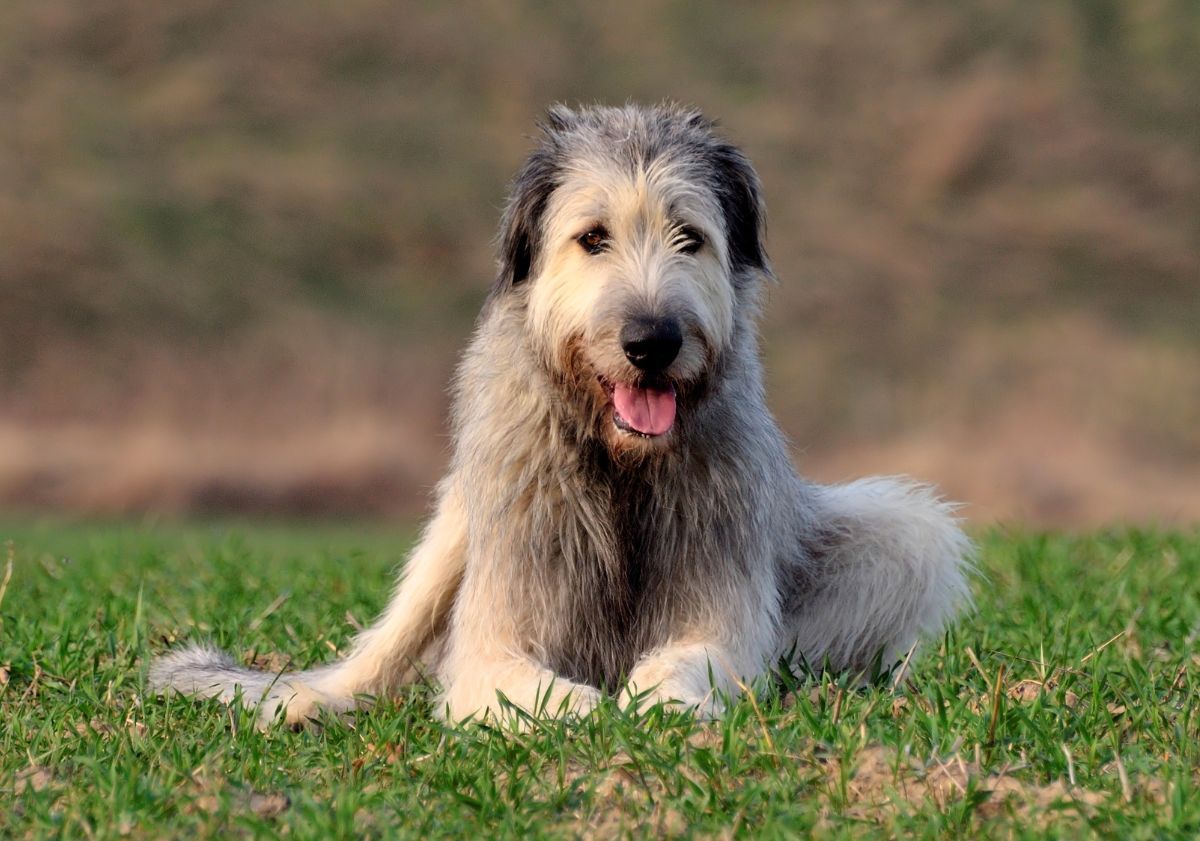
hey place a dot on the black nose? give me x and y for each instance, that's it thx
(651, 343)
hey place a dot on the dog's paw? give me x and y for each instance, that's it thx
(298, 706)
(516, 709)
(705, 703)
(576, 700)
(679, 677)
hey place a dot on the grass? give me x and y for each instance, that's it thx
(1064, 706)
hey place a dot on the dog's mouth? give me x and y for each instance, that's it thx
(647, 410)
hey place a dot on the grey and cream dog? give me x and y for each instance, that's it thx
(620, 513)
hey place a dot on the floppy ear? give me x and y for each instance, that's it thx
(740, 194)
(520, 226)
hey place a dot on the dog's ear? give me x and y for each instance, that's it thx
(520, 226)
(740, 193)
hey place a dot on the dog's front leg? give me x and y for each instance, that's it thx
(385, 656)
(701, 670)
(723, 640)
(490, 657)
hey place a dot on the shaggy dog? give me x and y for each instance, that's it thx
(620, 513)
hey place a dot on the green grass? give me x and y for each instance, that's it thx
(969, 746)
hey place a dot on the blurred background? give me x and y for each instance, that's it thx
(242, 243)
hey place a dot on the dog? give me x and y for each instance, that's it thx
(620, 514)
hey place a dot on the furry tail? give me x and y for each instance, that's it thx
(209, 673)
(383, 658)
(206, 672)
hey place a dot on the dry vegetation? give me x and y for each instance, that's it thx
(241, 243)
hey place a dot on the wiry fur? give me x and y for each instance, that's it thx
(568, 557)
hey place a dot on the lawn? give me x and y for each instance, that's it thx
(1065, 705)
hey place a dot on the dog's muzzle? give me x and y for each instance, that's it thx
(647, 408)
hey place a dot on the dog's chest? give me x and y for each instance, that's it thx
(612, 582)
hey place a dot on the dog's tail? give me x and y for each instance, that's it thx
(384, 656)
(208, 672)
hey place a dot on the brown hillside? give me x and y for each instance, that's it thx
(240, 244)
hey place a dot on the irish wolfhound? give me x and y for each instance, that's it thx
(620, 513)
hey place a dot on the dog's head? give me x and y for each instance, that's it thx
(631, 239)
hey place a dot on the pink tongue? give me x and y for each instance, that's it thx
(647, 410)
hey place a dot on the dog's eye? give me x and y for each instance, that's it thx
(595, 240)
(690, 240)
